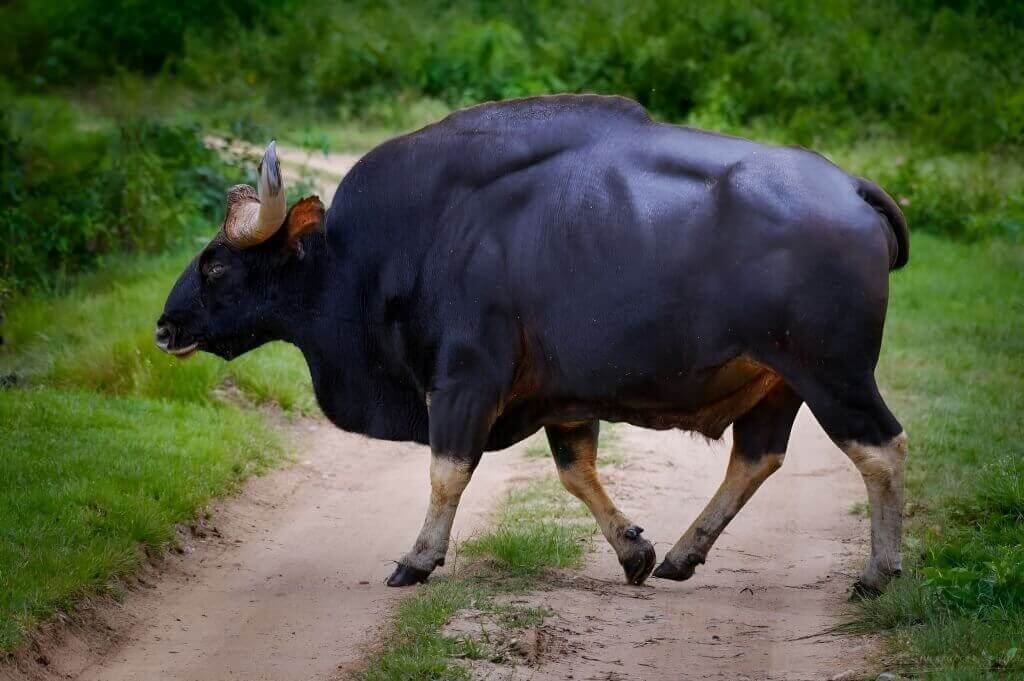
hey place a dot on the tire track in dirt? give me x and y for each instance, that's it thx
(762, 607)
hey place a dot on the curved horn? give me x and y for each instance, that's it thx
(253, 217)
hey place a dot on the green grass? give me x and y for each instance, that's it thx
(539, 527)
(953, 372)
(107, 443)
(378, 122)
(417, 649)
(99, 337)
(506, 559)
(608, 453)
(89, 478)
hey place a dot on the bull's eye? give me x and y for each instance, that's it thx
(215, 270)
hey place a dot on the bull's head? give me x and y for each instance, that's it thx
(226, 300)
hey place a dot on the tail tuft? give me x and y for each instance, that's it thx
(876, 197)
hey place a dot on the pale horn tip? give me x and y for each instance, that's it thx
(270, 171)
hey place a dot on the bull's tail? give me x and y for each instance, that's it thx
(875, 196)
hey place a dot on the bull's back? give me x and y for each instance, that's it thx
(635, 257)
(651, 259)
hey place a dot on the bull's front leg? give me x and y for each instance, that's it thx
(459, 424)
(448, 478)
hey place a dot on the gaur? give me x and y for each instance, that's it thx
(555, 261)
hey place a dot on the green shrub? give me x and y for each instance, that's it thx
(951, 75)
(73, 189)
(969, 200)
(64, 41)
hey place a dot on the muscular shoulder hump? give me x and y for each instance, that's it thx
(404, 184)
(544, 109)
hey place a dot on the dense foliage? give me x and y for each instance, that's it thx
(941, 72)
(945, 76)
(63, 42)
(72, 189)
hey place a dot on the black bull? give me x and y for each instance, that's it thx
(549, 262)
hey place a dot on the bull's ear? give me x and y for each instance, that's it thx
(306, 216)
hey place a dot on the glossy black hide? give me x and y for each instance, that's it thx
(563, 259)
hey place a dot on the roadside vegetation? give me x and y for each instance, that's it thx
(540, 527)
(953, 371)
(934, 89)
(107, 443)
(107, 189)
(817, 69)
(75, 186)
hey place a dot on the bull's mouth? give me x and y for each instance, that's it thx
(183, 353)
(186, 352)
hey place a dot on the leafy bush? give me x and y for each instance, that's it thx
(62, 41)
(72, 189)
(942, 72)
(968, 201)
(945, 75)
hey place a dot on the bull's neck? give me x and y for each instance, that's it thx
(317, 314)
(326, 322)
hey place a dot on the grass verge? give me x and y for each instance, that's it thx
(90, 482)
(953, 372)
(98, 336)
(107, 443)
(539, 527)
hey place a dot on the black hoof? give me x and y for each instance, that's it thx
(864, 592)
(679, 573)
(639, 565)
(405, 575)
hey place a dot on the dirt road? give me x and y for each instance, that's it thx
(287, 581)
(761, 608)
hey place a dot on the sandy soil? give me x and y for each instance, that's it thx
(762, 607)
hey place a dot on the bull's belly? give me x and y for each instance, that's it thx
(707, 406)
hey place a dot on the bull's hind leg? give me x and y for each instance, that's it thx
(575, 450)
(759, 445)
(882, 466)
(854, 415)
